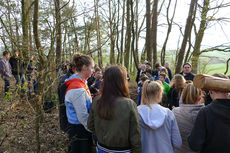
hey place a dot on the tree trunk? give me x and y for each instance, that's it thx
(112, 42)
(97, 18)
(200, 35)
(169, 21)
(148, 44)
(118, 32)
(187, 32)
(128, 35)
(40, 75)
(122, 33)
(154, 31)
(134, 51)
(58, 32)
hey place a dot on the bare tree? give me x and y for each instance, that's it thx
(148, 38)
(128, 35)
(154, 30)
(187, 32)
(58, 31)
(170, 22)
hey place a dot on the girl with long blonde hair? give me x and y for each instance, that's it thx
(159, 130)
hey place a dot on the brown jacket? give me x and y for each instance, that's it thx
(123, 131)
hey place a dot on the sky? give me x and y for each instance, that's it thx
(215, 34)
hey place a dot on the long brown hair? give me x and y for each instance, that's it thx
(190, 94)
(114, 85)
(178, 82)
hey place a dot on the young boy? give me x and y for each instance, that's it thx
(139, 90)
(162, 78)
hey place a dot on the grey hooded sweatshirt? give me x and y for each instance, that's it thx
(159, 130)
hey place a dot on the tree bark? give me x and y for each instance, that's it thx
(111, 29)
(199, 36)
(169, 21)
(128, 35)
(122, 33)
(154, 31)
(134, 51)
(97, 18)
(58, 32)
(148, 44)
(187, 32)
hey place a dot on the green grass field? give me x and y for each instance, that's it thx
(216, 68)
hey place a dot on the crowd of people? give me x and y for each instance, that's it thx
(15, 67)
(170, 115)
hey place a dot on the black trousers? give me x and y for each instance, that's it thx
(80, 139)
(7, 85)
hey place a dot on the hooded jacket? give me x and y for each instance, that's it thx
(211, 132)
(5, 69)
(186, 116)
(159, 130)
(77, 100)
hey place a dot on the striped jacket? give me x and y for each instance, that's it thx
(77, 100)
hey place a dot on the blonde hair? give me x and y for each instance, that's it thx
(178, 82)
(151, 89)
(190, 94)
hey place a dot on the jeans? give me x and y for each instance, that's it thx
(18, 78)
(7, 85)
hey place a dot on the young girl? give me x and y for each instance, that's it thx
(175, 91)
(114, 117)
(186, 114)
(78, 103)
(159, 130)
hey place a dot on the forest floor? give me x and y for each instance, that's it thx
(17, 127)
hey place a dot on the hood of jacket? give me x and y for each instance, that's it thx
(221, 107)
(153, 117)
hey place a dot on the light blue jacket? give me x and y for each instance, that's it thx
(159, 130)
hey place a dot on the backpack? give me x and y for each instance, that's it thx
(63, 120)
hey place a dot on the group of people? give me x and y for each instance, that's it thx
(116, 124)
(16, 67)
(172, 90)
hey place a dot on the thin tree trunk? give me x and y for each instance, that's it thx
(118, 33)
(97, 18)
(200, 35)
(148, 44)
(154, 31)
(187, 32)
(135, 54)
(58, 32)
(163, 50)
(122, 33)
(128, 35)
(41, 66)
(112, 42)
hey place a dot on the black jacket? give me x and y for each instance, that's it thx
(189, 76)
(169, 73)
(15, 65)
(211, 132)
(173, 97)
(18, 67)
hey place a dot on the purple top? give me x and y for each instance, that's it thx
(5, 69)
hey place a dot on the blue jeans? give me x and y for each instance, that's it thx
(18, 78)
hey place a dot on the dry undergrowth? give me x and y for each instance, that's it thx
(17, 134)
